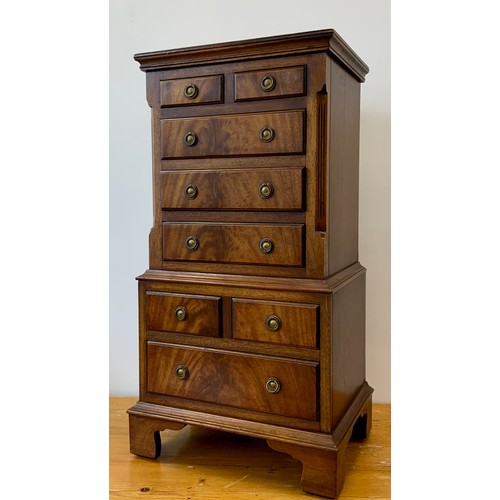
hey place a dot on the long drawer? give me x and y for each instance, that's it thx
(265, 384)
(272, 244)
(233, 189)
(251, 134)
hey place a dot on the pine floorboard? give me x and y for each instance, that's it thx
(204, 464)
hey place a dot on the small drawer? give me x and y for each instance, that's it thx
(275, 322)
(252, 134)
(273, 244)
(270, 83)
(242, 189)
(265, 384)
(191, 91)
(190, 314)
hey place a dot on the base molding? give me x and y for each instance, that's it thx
(322, 455)
(311, 285)
(145, 434)
(323, 471)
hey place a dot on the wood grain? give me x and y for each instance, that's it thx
(234, 189)
(209, 91)
(233, 135)
(229, 107)
(322, 470)
(315, 243)
(348, 353)
(297, 43)
(145, 435)
(298, 322)
(289, 82)
(252, 423)
(321, 167)
(200, 463)
(229, 344)
(234, 379)
(247, 283)
(211, 366)
(234, 243)
(344, 169)
(202, 313)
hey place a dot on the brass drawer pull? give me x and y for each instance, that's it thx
(182, 372)
(191, 191)
(268, 83)
(191, 91)
(192, 243)
(266, 245)
(273, 385)
(266, 190)
(273, 323)
(266, 134)
(181, 313)
(190, 139)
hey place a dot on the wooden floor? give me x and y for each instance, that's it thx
(203, 464)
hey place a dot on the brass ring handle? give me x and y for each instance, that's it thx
(181, 313)
(191, 91)
(273, 385)
(266, 245)
(182, 372)
(266, 190)
(266, 134)
(192, 243)
(190, 139)
(191, 191)
(273, 323)
(268, 83)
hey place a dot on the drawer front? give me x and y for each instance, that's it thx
(236, 380)
(190, 314)
(279, 245)
(191, 91)
(257, 189)
(275, 322)
(270, 83)
(253, 134)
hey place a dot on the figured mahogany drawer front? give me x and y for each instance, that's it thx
(252, 134)
(270, 385)
(273, 244)
(191, 91)
(242, 189)
(269, 83)
(275, 322)
(191, 314)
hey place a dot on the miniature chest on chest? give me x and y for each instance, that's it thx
(252, 311)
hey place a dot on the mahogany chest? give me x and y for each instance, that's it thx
(252, 311)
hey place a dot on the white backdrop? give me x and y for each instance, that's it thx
(148, 25)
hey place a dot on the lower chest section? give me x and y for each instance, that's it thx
(273, 351)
